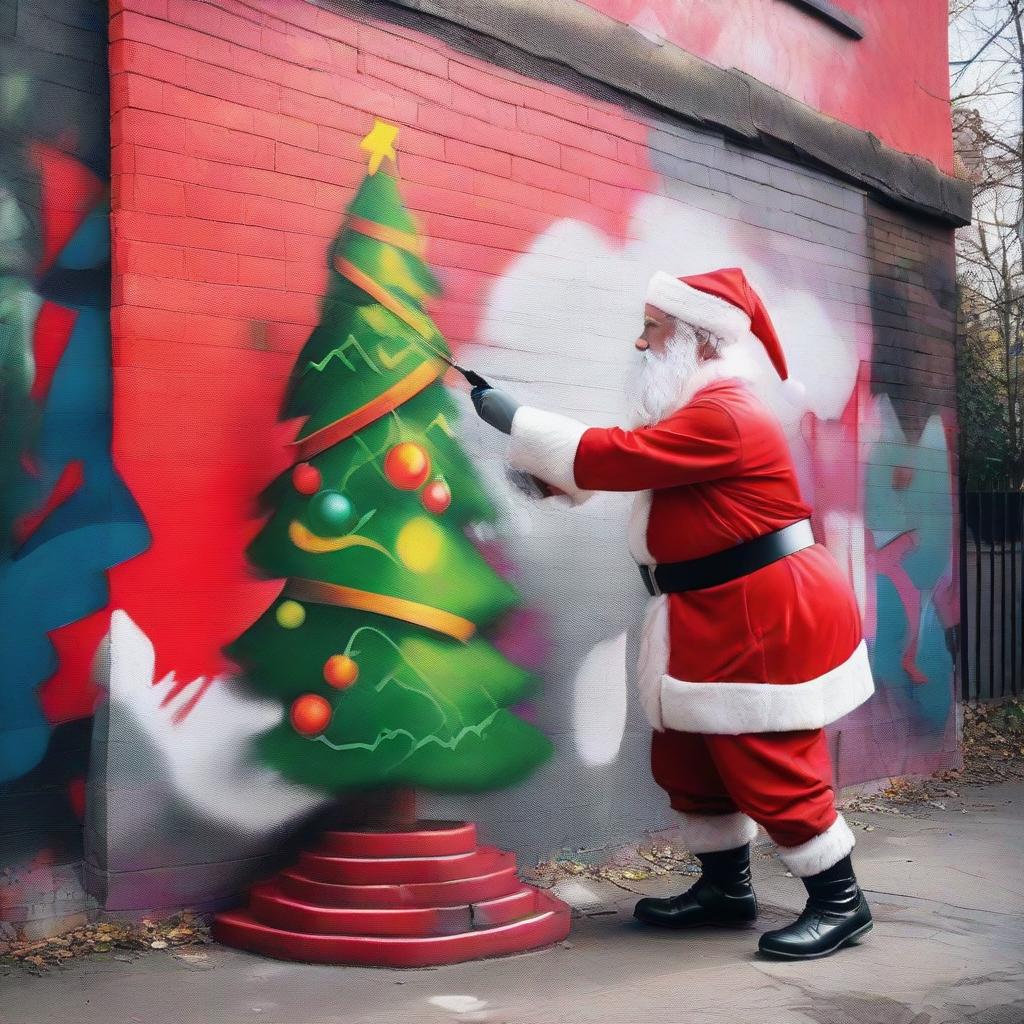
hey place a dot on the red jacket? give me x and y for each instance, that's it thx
(777, 650)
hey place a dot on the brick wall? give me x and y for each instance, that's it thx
(802, 54)
(913, 301)
(545, 205)
(235, 150)
(64, 514)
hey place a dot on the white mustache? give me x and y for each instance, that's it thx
(656, 385)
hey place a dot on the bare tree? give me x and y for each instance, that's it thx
(987, 85)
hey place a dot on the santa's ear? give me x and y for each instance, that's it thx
(712, 339)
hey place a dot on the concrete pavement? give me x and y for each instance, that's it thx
(946, 888)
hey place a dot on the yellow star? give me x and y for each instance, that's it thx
(380, 143)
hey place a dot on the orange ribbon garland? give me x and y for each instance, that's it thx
(409, 386)
(404, 240)
(417, 321)
(455, 626)
(418, 614)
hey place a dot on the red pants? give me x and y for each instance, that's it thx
(782, 780)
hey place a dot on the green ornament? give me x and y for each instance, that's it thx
(329, 512)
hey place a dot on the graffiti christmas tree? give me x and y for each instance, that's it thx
(374, 644)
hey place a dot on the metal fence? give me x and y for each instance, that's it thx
(991, 593)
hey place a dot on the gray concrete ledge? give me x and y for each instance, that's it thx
(535, 36)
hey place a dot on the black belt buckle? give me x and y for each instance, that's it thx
(650, 581)
(728, 564)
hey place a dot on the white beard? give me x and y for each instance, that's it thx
(662, 384)
(659, 385)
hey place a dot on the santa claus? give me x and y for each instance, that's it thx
(752, 639)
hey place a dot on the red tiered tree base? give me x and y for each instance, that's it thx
(414, 897)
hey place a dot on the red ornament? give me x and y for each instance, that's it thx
(436, 497)
(406, 466)
(306, 479)
(341, 671)
(310, 714)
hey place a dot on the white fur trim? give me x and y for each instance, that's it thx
(639, 516)
(544, 444)
(712, 833)
(698, 308)
(821, 852)
(652, 660)
(733, 708)
(795, 392)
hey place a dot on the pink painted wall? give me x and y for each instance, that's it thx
(893, 82)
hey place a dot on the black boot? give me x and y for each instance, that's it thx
(836, 915)
(722, 895)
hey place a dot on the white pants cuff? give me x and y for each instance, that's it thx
(820, 852)
(712, 833)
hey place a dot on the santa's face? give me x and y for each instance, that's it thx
(656, 384)
(658, 330)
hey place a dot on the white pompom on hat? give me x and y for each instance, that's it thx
(724, 303)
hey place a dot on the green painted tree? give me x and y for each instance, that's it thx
(374, 644)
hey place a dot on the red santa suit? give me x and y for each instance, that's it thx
(737, 679)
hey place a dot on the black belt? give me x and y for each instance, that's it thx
(730, 564)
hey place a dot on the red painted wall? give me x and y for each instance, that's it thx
(893, 82)
(235, 130)
(235, 133)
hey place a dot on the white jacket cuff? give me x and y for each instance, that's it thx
(544, 444)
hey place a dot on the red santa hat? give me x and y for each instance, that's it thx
(724, 303)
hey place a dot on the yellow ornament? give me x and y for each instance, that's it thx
(419, 544)
(380, 143)
(290, 615)
(378, 319)
(394, 272)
